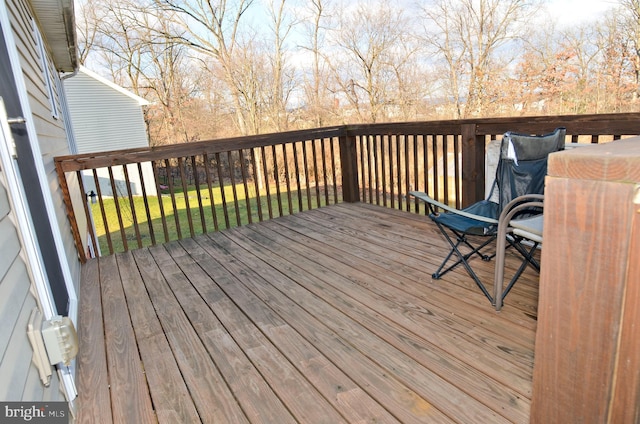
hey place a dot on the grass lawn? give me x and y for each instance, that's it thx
(224, 213)
(177, 217)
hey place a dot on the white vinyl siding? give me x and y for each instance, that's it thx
(103, 118)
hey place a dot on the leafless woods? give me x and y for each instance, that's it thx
(215, 68)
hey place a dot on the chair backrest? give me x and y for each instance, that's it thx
(523, 163)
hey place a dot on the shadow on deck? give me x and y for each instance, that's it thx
(326, 316)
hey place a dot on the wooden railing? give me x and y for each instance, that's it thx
(149, 196)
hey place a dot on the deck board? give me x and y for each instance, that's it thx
(329, 315)
(130, 397)
(92, 370)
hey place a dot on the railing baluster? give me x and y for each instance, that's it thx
(87, 213)
(325, 181)
(145, 199)
(399, 170)
(163, 216)
(305, 163)
(245, 184)
(407, 170)
(185, 193)
(287, 178)
(436, 174)
(105, 222)
(457, 175)
(315, 170)
(256, 182)
(116, 201)
(425, 160)
(366, 168)
(383, 166)
(373, 155)
(172, 192)
(333, 147)
(267, 183)
(222, 191)
(296, 167)
(392, 179)
(445, 168)
(361, 168)
(415, 170)
(207, 172)
(276, 173)
(132, 206)
(196, 180)
(232, 172)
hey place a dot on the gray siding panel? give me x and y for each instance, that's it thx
(103, 118)
(16, 361)
(14, 289)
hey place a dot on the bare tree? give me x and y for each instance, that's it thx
(371, 39)
(214, 29)
(631, 28)
(283, 82)
(87, 23)
(129, 43)
(467, 36)
(316, 20)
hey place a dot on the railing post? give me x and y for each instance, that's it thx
(587, 351)
(473, 158)
(349, 166)
(73, 221)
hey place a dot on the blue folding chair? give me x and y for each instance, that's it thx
(521, 170)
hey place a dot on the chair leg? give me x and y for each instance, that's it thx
(527, 254)
(464, 258)
(527, 260)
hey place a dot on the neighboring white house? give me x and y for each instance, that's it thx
(105, 117)
(39, 266)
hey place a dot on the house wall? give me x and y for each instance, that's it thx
(18, 295)
(104, 117)
(20, 378)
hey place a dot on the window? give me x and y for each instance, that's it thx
(47, 73)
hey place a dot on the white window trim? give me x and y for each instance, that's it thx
(48, 77)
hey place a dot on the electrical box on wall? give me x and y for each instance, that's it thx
(39, 357)
(60, 339)
(54, 341)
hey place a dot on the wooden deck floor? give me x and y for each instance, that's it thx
(327, 316)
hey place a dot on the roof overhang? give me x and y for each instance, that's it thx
(57, 23)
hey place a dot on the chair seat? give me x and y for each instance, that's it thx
(466, 224)
(529, 228)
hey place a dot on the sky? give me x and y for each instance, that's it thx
(577, 11)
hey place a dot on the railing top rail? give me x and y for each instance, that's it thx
(597, 124)
(122, 157)
(594, 124)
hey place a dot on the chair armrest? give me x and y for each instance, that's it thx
(431, 201)
(520, 203)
